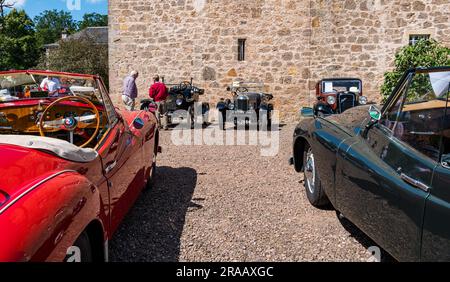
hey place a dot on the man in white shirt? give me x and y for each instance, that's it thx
(51, 84)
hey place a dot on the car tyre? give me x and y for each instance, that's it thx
(151, 178)
(313, 186)
(84, 245)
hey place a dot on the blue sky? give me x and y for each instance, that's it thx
(35, 7)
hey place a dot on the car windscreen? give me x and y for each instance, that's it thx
(334, 86)
(21, 86)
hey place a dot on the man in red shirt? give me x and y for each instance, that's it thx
(158, 92)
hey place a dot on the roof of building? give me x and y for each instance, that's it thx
(98, 34)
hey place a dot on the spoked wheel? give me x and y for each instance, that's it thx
(310, 172)
(314, 190)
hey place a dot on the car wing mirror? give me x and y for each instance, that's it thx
(374, 113)
(307, 112)
(375, 117)
(138, 123)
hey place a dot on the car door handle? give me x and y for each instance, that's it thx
(415, 183)
(110, 167)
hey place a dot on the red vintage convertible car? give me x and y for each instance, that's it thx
(71, 166)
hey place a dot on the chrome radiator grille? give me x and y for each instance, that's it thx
(346, 101)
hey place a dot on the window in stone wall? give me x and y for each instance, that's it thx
(414, 38)
(241, 49)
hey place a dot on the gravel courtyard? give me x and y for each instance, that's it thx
(228, 203)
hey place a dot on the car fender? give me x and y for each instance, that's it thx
(324, 108)
(301, 136)
(46, 221)
(325, 139)
(145, 138)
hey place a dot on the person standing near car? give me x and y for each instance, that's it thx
(158, 92)
(52, 85)
(130, 92)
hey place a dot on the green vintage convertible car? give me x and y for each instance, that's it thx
(386, 169)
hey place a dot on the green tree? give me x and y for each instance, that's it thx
(425, 53)
(80, 56)
(51, 24)
(93, 19)
(18, 46)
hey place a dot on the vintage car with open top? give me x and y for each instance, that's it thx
(71, 166)
(182, 102)
(386, 169)
(248, 106)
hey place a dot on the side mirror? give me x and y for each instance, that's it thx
(375, 117)
(307, 112)
(138, 123)
(375, 113)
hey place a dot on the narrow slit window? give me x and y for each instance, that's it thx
(241, 49)
(414, 38)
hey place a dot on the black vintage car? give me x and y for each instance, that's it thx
(336, 95)
(248, 106)
(182, 102)
(387, 170)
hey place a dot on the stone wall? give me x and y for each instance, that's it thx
(290, 45)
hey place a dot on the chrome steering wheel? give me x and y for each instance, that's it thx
(70, 123)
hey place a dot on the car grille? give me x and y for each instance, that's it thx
(242, 103)
(346, 101)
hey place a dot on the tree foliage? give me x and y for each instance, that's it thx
(425, 53)
(18, 46)
(92, 20)
(79, 56)
(51, 24)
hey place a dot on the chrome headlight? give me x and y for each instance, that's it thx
(231, 106)
(362, 100)
(179, 102)
(331, 100)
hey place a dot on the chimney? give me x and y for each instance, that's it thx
(64, 34)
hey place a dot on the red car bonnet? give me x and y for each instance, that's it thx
(21, 168)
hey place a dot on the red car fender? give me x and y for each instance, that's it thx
(145, 135)
(46, 221)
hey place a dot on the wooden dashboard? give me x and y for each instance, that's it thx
(25, 118)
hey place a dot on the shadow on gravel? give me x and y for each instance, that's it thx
(363, 239)
(152, 229)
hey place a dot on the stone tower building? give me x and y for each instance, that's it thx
(289, 44)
